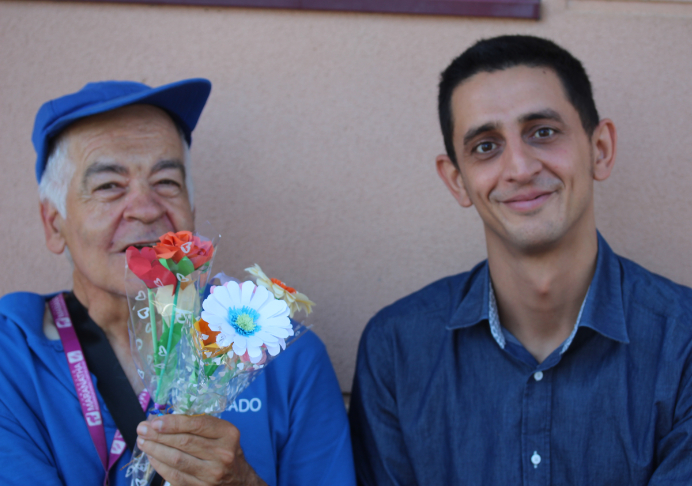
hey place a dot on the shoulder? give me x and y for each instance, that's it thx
(654, 293)
(23, 309)
(304, 357)
(433, 305)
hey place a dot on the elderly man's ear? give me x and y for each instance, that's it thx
(51, 227)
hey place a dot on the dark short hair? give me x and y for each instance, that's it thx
(509, 51)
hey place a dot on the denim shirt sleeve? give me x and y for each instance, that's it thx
(378, 442)
(674, 450)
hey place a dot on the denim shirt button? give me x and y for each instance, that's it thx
(535, 459)
(538, 376)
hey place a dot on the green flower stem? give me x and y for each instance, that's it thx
(170, 341)
(152, 319)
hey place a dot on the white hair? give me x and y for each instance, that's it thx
(56, 177)
(59, 170)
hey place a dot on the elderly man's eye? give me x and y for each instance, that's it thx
(168, 187)
(485, 147)
(107, 186)
(168, 182)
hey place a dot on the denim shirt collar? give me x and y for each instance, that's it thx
(603, 309)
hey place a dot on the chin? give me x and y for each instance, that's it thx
(535, 240)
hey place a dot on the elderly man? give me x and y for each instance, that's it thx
(555, 361)
(113, 170)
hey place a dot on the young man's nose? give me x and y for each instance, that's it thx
(520, 163)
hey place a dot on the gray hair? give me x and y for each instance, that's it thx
(60, 169)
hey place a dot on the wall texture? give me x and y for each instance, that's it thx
(315, 154)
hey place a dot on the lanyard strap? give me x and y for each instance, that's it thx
(85, 388)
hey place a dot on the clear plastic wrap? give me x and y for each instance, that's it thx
(190, 365)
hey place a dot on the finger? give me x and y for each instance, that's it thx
(173, 476)
(194, 445)
(202, 425)
(172, 457)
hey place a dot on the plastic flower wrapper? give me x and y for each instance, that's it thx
(165, 285)
(220, 347)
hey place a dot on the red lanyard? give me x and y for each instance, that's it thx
(85, 388)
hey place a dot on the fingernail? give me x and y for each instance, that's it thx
(157, 424)
(142, 429)
(140, 441)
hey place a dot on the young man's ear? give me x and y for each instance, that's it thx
(451, 176)
(604, 140)
(51, 219)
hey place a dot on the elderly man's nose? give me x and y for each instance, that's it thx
(144, 206)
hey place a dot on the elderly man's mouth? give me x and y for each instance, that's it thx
(139, 245)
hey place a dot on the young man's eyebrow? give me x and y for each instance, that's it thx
(546, 114)
(473, 132)
(169, 164)
(100, 168)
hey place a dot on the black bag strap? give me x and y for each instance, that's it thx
(112, 382)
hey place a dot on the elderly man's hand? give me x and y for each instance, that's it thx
(196, 451)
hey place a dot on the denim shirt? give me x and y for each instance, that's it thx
(437, 401)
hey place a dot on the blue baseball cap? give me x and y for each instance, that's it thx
(183, 101)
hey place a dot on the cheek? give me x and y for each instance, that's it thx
(181, 216)
(96, 228)
(480, 182)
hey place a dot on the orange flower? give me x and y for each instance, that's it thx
(184, 244)
(278, 282)
(206, 340)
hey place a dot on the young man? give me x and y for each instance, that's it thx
(555, 361)
(113, 170)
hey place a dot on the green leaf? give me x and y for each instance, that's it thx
(183, 267)
(210, 369)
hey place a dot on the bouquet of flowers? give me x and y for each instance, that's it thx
(194, 354)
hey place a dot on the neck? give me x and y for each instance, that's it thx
(539, 295)
(109, 311)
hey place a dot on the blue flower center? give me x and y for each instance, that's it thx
(244, 320)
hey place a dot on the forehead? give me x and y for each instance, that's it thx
(140, 134)
(501, 97)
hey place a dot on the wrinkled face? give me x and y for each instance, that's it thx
(128, 189)
(525, 161)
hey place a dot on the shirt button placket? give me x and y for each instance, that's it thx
(536, 421)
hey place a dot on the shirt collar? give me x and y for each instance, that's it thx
(602, 310)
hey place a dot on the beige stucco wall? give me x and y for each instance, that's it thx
(314, 156)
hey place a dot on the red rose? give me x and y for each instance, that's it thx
(145, 264)
(184, 244)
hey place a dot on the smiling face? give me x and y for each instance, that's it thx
(128, 189)
(524, 159)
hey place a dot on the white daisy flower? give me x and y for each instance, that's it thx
(247, 317)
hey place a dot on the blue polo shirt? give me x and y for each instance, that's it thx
(437, 399)
(292, 420)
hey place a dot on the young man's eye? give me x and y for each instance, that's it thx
(544, 132)
(485, 147)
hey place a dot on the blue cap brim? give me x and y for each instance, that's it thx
(182, 100)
